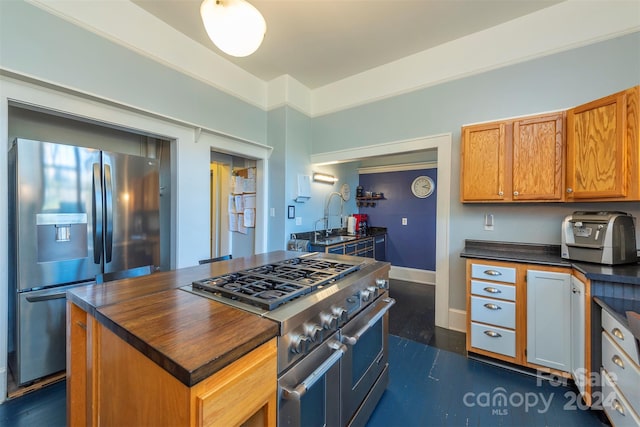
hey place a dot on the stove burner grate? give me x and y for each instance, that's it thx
(271, 285)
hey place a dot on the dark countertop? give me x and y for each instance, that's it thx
(189, 336)
(371, 232)
(549, 255)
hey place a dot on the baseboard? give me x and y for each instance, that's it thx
(457, 320)
(413, 275)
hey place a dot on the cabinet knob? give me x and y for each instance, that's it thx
(617, 333)
(515, 193)
(569, 190)
(500, 193)
(617, 406)
(618, 361)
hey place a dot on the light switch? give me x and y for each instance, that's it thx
(404, 221)
(298, 220)
(488, 222)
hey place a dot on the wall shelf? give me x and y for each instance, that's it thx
(368, 201)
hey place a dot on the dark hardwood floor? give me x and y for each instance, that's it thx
(432, 382)
(413, 317)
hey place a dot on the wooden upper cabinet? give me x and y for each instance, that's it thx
(483, 162)
(602, 149)
(514, 160)
(538, 158)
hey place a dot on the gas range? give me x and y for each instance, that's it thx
(271, 285)
(310, 296)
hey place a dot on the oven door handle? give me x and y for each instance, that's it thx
(353, 340)
(308, 382)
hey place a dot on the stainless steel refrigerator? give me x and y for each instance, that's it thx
(74, 212)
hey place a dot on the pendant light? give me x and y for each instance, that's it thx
(235, 26)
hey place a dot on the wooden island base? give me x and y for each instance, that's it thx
(111, 383)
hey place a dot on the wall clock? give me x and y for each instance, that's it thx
(345, 192)
(422, 187)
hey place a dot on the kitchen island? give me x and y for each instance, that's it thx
(141, 351)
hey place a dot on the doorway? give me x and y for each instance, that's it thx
(441, 143)
(228, 237)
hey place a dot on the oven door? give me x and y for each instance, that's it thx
(366, 359)
(309, 393)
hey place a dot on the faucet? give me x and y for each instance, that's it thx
(326, 209)
(315, 229)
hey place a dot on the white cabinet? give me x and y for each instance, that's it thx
(620, 373)
(549, 319)
(578, 330)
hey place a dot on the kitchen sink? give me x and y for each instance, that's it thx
(335, 239)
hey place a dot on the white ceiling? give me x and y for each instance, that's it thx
(318, 42)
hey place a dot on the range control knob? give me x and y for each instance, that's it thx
(373, 290)
(328, 321)
(313, 331)
(340, 314)
(382, 283)
(299, 344)
(365, 295)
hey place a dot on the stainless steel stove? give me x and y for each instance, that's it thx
(332, 312)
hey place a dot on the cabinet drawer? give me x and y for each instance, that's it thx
(493, 290)
(492, 338)
(336, 249)
(493, 272)
(623, 372)
(615, 405)
(365, 244)
(621, 336)
(495, 312)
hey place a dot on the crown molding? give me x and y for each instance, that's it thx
(564, 26)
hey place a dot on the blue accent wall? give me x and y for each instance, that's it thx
(412, 245)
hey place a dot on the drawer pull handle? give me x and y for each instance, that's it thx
(492, 334)
(617, 333)
(618, 407)
(492, 290)
(492, 306)
(616, 359)
(492, 273)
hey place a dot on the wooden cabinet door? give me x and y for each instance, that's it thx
(538, 158)
(484, 154)
(599, 149)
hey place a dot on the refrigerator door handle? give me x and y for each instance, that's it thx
(48, 297)
(108, 185)
(97, 213)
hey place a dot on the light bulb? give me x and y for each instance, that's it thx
(235, 26)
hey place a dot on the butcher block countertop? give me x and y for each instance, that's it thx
(189, 336)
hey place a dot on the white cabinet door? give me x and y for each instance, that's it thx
(549, 319)
(578, 328)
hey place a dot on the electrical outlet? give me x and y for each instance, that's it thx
(404, 221)
(298, 220)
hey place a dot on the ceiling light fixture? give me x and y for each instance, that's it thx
(235, 26)
(324, 177)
